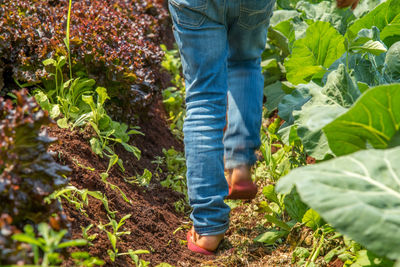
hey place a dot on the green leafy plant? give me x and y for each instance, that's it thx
(80, 198)
(106, 129)
(49, 242)
(84, 259)
(392, 62)
(114, 235)
(373, 176)
(176, 166)
(85, 234)
(113, 160)
(313, 54)
(278, 157)
(174, 96)
(135, 258)
(142, 180)
(340, 114)
(64, 98)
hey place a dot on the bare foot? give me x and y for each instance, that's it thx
(238, 174)
(208, 242)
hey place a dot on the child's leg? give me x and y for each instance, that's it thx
(204, 49)
(247, 37)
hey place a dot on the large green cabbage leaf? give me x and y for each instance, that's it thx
(327, 11)
(372, 121)
(358, 194)
(386, 17)
(313, 54)
(366, 6)
(366, 59)
(392, 62)
(311, 107)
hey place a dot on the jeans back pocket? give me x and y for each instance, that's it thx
(189, 13)
(254, 13)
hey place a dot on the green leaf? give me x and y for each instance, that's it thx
(326, 104)
(364, 68)
(122, 221)
(133, 131)
(313, 54)
(73, 243)
(269, 193)
(372, 121)
(263, 206)
(111, 254)
(82, 255)
(270, 237)
(63, 123)
(103, 96)
(292, 29)
(61, 62)
(88, 99)
(54, 111)
(145, 178)
(358, 195)
(367, 41)
(138, 251)
(366, 6)
(327, 11)
(96, 146)
(49, 61)
(132, 149)
(373, 47)
(278, 222)
(294, 206)
(113, 160)
(362, 86)
(301, 253)
(278, 39)
(274, 94)
(283, 15)
(312, 219)
(113, 240)
(26, 239)
(367, 258)
(311, 107)
(386, 17)
(292, 102)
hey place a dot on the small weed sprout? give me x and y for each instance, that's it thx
(114, 235)
(113, 160)
(79, 197)
(142, 180)
(83, 259)
(85, 234)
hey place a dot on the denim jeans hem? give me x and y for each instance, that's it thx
(233, 163)
(214, 230)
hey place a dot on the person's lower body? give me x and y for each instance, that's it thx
(220, 44)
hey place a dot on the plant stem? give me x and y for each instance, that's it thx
(67, 37)
(315, 252)
(321, 242)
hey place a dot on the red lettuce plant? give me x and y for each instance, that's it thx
(28, 173)
(115, 42)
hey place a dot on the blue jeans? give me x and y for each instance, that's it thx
(220, 42)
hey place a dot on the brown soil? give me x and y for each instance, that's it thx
(153, 219)
(336, 263)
